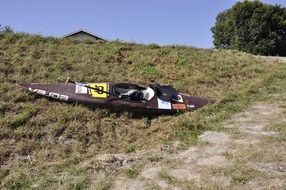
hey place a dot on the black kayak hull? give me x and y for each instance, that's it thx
(70, 92)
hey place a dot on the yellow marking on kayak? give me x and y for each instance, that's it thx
(98, 94)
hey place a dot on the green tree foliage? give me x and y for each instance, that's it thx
(253, 27)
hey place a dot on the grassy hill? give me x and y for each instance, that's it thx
(43, 140)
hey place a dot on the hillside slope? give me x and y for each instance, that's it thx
(46, 143)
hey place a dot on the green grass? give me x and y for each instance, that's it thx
(13, 121)
(167, 177)
(132, 172)
(130, 148)
(280, 128)
(56, 135)
(277, 126)
(155, 158)
(239, 172)
(78, 184)
(104, 185)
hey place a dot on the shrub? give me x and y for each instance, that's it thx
(6, 29)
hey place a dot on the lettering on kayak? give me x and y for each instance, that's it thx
(179, 106)
(190, 106)
(50, 94)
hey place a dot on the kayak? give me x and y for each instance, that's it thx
(153, 99)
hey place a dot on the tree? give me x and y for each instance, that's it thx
(253, 27)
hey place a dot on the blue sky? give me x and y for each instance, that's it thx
(185, 22)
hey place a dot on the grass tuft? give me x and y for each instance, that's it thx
(132, 172)
(169, 178)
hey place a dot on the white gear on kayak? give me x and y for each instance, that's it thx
(148, 94)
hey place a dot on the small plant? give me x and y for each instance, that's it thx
(130, 148)
(131, 172)
(277, 126)
(17, 180)
(147, 68)
(78, 184)
(240, 173)
(181, 61)
(188, 132)
(164, 52)
(98, 167)
(154, 158)
(280, 138)
(165, 176)
(104, 184)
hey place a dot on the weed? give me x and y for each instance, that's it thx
(165, 176)
(146, 68)
(164, 52)
(181, 61)
(103, 185)
(280, 138)
(78, 184)
(240, 173)
(132, 172)
(130, 148)
(277, 126)
(154, 158)
(17, 180)
(188, 136)
(280, 127)
(153, 186)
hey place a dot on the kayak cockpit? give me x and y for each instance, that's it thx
(138, 92)
(133, 92)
